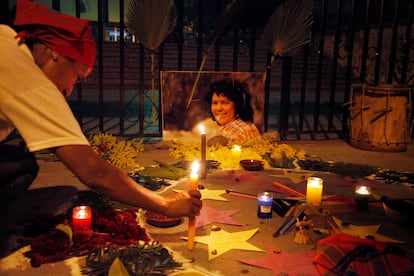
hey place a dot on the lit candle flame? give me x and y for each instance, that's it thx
(195, 167)
(363, 190)
(236, 147)
(202, 129)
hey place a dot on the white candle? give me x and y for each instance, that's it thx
(203, 152)
(203, 143)
(192, 222)
(314, 189)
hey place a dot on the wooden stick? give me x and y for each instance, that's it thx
(240, 194)
(287, 190)
(251, 196)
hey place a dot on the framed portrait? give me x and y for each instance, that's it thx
(183, 111)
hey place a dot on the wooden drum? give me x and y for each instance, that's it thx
(380, 117)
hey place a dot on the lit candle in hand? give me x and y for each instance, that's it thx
(191, 222)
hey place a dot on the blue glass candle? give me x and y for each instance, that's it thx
(264, 201)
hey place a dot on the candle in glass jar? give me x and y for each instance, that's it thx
(236, 154)
(362, 195)
(192, 222)
(314, 189)
(363, 191)
(264, 201)
(82, 218)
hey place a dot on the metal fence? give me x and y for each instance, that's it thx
(306, 95)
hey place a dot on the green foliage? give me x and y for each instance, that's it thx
(138, 260)
(274, 154)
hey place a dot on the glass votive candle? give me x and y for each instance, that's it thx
(82, 219)
(362, 196)
(236, 154)
(314, 189)
(264, 201)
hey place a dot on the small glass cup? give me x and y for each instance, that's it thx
(264, 201)
(314, 190)
(362, 196)
(82, 219)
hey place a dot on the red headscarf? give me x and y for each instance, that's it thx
(67, 35)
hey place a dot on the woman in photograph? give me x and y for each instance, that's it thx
(230, 107)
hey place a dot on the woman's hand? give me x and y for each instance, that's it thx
(187, 203)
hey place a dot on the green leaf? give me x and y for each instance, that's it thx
(171, 167)
(163, 172)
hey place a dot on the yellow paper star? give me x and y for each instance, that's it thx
(210, 194)
(221, 241)
(363, 231)
(295, 177)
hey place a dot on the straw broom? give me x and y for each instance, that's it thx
(289, 28)
(151, 21)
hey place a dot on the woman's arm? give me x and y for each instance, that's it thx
(101, 176)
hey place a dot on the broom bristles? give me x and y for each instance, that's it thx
(151, 21)
(289, 28)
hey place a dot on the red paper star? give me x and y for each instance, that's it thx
(209, 215)
(292, 264)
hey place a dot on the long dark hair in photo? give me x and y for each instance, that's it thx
(237, 93)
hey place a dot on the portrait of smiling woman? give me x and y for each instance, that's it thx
(230, 107)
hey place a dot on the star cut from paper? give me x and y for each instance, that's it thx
(221, 241)
(209, 215)
(290, 264)
(363, 232)
(210, 194)
(295, 177)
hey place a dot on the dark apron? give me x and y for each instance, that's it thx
(18, 169)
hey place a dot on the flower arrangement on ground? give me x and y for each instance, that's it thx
(117, 241)
(121, 153)
(274, 154)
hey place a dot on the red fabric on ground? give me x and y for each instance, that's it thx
(342, 254)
